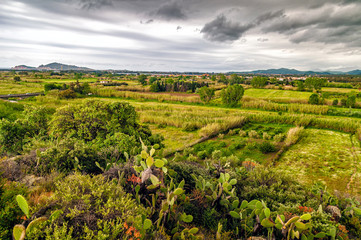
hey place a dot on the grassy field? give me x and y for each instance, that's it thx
(272, 93)
(340, 90)
(10, 87)
(324, 156)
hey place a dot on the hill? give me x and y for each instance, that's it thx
(64, 67)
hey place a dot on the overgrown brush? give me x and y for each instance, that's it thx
(293, 136)
(215, 128)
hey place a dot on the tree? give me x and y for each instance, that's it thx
(232, 94)
(17, 79)
(351, 101)
(206, 94)
(222, 78)
(235, 79)
(300, 85)
(314, 99)
(315, 83)
(142, 79)
(259, 82)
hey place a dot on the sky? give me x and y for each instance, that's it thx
(182, 35)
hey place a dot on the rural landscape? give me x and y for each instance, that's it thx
(106, 155)
(180, 120)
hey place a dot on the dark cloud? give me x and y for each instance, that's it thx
(95, 4)
(170, 11)
(221, 29)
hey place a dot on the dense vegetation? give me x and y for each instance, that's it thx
(187, 157)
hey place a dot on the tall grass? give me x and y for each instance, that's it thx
(213, 129)
(293, 136)
(161, 97)
(292, 107)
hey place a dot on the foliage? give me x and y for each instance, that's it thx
(315, 83)
(91, 208)
(232, 94)
(206, 94)
(93, 120)
(314, 99)
(10, 213)
(259, 82)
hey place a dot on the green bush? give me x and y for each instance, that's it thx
(266, 147)
(10, 213)
(92, 208)
(67, 155)
(232, 95)
(275, 187)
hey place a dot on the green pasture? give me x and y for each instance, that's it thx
(273, 93)
(324, 156)
(10, 87)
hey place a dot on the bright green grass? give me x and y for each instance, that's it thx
(19, 88)
(323, 155)
(174, 138)
(340, 90)
(67, 80)
(273, 93)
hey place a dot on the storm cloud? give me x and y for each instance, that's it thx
(221, 29)
(209, 35)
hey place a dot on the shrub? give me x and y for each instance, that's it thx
(242, 133)
(275, 187)
(335, 102)
(266, 147)
(293, 135)
(91, 208)
(314, 99)
(62, 158)
(232, 95)
(266, 136)
(190, 126)
(67, 94)
(206, 94)
(279, 137)
(10, 213)
(253, 134)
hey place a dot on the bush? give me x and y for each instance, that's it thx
(253, 134)
(190, 126)
(293, 136)
(92, 208)
(266, 147)
(266, 136)
(62, 158)
(10, 213)
(314, 99)
(232, 95)
(275, 187)
(335, 102)
(279, 137)
(67, 94)
(206, 94)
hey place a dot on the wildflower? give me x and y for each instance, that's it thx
(134, 179)
(126, 225)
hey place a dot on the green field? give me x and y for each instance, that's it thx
(272, 93)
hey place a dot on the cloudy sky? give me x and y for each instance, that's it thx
(182, 35)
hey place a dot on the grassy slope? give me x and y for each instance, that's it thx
(322, 155)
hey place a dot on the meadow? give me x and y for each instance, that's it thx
(187, 168)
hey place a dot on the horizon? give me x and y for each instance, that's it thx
(183, 36)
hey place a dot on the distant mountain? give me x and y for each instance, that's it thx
(23, 67)
(354, 72)
(64, 67)
(287, 71)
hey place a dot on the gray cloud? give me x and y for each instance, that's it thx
(170, 11)
(221, 29)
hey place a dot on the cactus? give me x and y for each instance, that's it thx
(19, 231)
